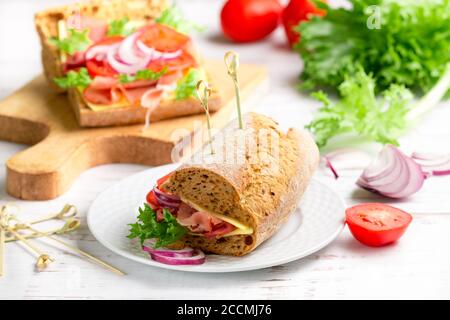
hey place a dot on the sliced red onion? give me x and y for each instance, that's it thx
(392, 174)
(434, 164)
(155, 54)
(198, 257)
(128, 52)
(166, 196)
(346, 159)
(100, 52)
(122, 67)
(186, 252)
(166, 200)
(330, 165)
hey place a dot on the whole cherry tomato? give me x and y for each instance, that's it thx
(294, 13)
(250, 20)
(377, 224)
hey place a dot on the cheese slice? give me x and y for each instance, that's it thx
(240, 227)
(62, 34)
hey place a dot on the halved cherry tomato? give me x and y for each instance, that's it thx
(102, 68)
(184, 61)
(163, 38)
(377, 224)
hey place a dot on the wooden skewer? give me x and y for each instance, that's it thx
(70, 225)
(69, 211)
(79, 251)
(203, 93)
(232, 63)
(43, 258)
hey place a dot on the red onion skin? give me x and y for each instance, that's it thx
(187, 252)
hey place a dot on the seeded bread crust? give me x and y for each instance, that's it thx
(261, 191)
(47, 24)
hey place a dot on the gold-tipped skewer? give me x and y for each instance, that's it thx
(43, 259)
(203, 93)
(231, 59)
(79, 251)
(67, 212)
(70, 225)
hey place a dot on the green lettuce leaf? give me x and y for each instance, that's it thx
(77, 40)
(121, 27)
(187, 86)
(410, 46)
(359, 111)
(74, 79)
(165, 232)
(145, 74)
(173, 17)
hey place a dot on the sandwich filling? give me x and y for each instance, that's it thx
(197, 220)
(124, 63)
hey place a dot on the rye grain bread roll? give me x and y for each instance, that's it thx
(47, 25)
(260, 187)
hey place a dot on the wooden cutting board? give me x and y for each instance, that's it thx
(62, 150)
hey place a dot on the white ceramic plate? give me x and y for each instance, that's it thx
(318, 220)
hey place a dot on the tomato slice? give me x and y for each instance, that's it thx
(102, 68)
(182, 62)
(163, 38)
(377, 224)
(151, 200)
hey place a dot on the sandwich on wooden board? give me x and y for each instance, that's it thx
(230, 207)
(122, 61)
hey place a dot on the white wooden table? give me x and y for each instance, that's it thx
(416, 267)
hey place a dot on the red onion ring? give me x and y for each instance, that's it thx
(155, 54)
(127, 51)
(122, 67)
(100, 52)
(434, 164)
(198, 257)
(392, 174)
(186, 252)
(166, 200)
(166, 196)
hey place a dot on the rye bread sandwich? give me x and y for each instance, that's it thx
(122, 61)
(231, 207)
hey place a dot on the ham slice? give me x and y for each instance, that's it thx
(97, 27)
(147, 93)
(108, 90)
(220, 230)
(202, 222)
(102, 96)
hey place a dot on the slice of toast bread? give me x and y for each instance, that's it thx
(259, 193)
